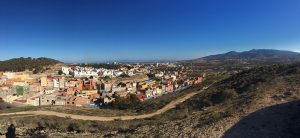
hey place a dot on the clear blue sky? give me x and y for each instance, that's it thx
(100, 30)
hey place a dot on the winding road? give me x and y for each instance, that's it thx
(169, 106)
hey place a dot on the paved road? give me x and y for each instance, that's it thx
(99, 118)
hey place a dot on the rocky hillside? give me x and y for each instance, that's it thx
(254, 103)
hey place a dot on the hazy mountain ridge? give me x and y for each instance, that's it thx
(255, 55)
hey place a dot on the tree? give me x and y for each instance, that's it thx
(71, 73)
(124, 75)
(60, 72)
(106, 78)
(37, 70)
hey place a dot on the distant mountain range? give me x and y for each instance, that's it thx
(254, 55)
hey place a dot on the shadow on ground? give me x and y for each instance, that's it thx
(273, 122)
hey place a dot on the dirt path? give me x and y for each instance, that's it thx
(99, 118)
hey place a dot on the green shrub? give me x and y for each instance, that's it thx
(126, 103)
(223, 96)
(73, 127)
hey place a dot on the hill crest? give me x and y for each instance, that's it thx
(22, 64)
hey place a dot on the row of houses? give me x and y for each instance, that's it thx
(87, 87)
(152, 89)
(107, 92)
(59, 99)
(77, 72)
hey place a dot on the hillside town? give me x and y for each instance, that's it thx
(73, 85)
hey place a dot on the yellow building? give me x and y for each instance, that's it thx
(21, 77)
(133, 89)
(146, 84)
(70, 91)
(159, 91)
(44, 82)
(90, 92)
(33, 101)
